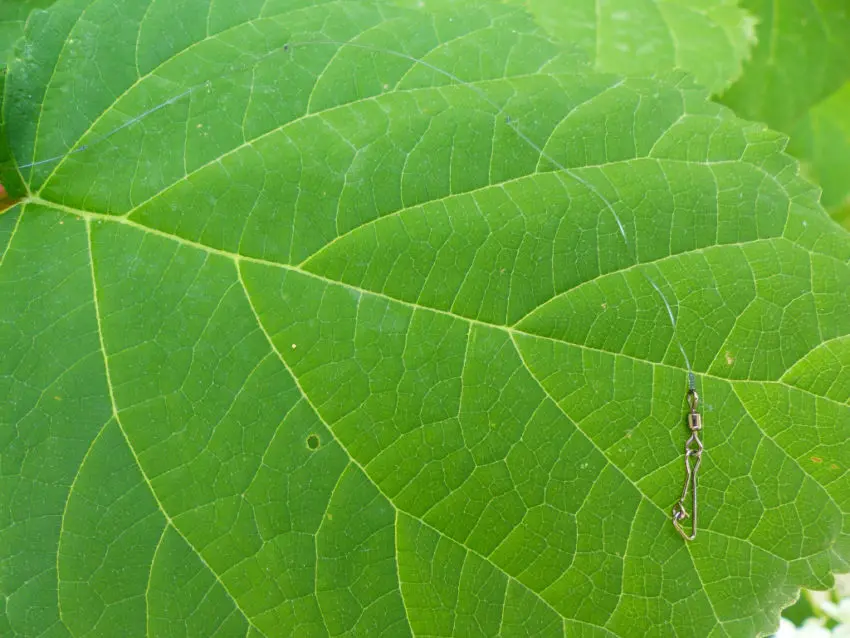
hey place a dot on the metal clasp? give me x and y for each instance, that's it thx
(693, 459)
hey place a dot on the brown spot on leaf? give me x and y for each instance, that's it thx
(817, 459)
(729, 358)
(5, 201)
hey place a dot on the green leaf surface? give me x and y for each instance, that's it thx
(343, 319)
(13, 16)
(802, 56)
(710, 39)
(821, 139)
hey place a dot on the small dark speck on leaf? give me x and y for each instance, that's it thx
(313, 442)
(286, 47)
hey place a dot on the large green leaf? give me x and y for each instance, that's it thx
(710, 39)
(803, 55)
(350, 319)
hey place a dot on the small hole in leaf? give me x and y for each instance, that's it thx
(313, 442)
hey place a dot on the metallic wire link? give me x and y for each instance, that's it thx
(693, 450)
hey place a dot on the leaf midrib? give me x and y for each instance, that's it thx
(86, 215)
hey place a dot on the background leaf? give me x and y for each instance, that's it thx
(10, 177)
(821, 139)
(802, 56)
(709, 39)
(13, 16)
(794, 83)
(319, 320)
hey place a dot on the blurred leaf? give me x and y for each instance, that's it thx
(708, 38)
(821, 139)
(13, 16)
(800, 610)
(802, 56)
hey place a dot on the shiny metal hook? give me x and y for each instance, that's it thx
(693, 450)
